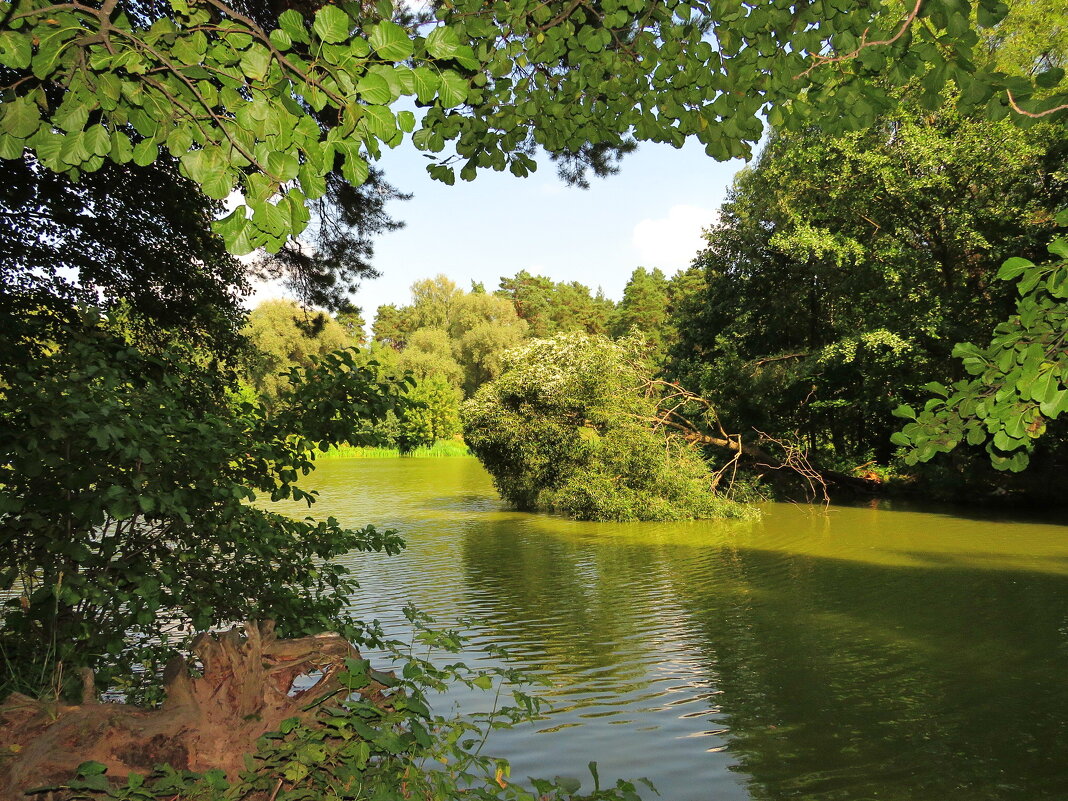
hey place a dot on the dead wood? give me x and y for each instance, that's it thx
(208, 721)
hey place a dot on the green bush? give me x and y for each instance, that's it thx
(570, 427)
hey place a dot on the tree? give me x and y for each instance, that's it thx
(125, 482)
(555, 307)
(569, 427)
(844, 268)
(432, 414)
(450, 333)
(644, 307)
(274, 112)
(139, 237)
(283, 335)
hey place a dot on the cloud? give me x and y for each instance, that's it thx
(671, 242)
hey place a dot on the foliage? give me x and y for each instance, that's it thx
(556, 307)
(359, 749)
(272, 112)
(843, 269)
(1018, 384)
(451, 334)
(568, 427)
(453, 447)
(283, 335)
(432, 414)
(139, 237)
(644, 308)
(125, 481)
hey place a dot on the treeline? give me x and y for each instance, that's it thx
(834, 285)
(451, 341)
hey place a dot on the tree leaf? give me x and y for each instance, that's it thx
(1013, 268)
(453, 89)
(390, 41)
(442, 42)
(331, 25)
(21, 118)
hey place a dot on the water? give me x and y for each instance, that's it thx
(838, 655)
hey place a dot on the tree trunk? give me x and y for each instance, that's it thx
(207, 722)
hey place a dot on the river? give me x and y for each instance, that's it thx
(843, 654)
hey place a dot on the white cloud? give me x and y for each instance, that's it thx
(671, 242)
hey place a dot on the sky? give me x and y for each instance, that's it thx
(649, 215)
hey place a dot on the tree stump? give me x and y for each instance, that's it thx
(207, 722)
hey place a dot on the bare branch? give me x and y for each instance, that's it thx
(1033, 115)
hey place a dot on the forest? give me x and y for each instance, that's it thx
(877, 311)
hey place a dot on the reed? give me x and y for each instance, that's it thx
(441, 448)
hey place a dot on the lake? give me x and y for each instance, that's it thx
(846, 653)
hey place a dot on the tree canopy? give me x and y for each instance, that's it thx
(273, 112)
(844, 268)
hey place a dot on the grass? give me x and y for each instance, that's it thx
(443, 447)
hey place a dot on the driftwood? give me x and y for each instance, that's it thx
(213, 720)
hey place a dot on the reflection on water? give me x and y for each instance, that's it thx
(844, 655)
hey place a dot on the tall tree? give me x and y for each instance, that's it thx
(283, 335)
(555, 307)
(845, 268)
(644, 307)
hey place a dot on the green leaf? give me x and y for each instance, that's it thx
(281, 39)
(256, 61)
(98, 140)
(311, 183)
(1059, 247)
(442, 43)
(905, 411)
(374, 89)
(283, 166)
(380, 121)
(11, 147)
(292, 23)
(1050, 78)
(425, 82)
(1055, 404)
(91, 769)
(355, 169)
(391, 41)
(145, 152)
(453, 89)
(406, 121)
(331, 25)
(1014, 268)
(568, 784)
(21, 118)
(72, 114)
(15, 49)
(218, 184)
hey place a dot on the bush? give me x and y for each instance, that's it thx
(570, 427)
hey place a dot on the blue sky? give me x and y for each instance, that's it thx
(649, 215)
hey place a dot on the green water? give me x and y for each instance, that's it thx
(851, 654)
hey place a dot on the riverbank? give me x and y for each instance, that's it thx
(445, 447)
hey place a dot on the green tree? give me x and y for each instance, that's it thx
(273, 112)
(570, 427)
(644, 307)
(283, 335)
(429, 353)
(451, 333)
(843, 269)
(125, 486)
(432, 414)
(555, 307)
